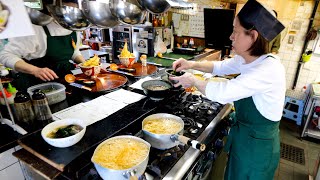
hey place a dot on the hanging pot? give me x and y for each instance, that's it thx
(99, 13)
(128, 12)
(155, 6)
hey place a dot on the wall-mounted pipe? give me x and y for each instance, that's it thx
(305, 44)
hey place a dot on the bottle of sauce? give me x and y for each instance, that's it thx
(23, 108)
(155, 21)
(41, 106)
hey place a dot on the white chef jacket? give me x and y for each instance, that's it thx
(33, 47)
(262, 79)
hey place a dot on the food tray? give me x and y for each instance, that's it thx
(53, 96)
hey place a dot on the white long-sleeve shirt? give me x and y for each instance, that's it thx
(33, 47)
(263, 79)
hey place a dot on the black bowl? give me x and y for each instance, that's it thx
(156, 89)
(172, 73)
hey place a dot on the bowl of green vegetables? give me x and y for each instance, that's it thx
(64, 133)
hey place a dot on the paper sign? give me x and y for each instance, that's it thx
(142, 45)
(17, 20)
(143, 34)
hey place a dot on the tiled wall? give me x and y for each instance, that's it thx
(292, 13)
(10, 168)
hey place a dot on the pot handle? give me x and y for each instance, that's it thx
(131, 175)
(185, 140)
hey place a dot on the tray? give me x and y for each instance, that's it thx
(104, 81)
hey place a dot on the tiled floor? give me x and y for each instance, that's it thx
(287, 170)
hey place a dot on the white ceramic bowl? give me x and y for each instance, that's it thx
(67, 141)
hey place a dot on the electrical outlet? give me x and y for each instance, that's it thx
(290, 39)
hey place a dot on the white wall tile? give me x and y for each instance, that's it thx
(12, 172)
(7, 159)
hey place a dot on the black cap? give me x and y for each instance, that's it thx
(254, 15)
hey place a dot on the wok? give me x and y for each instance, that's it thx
(131, 173)
(129, 12)
(38, 18)
(166, 141)
(99, 14)
(156, 94)
(69, 17)
(155, 6)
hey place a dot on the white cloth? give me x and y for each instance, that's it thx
(263, 79)
(33, 47)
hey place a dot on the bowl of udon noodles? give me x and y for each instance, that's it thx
(121, 157)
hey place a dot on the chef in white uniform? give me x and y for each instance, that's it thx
(44, 56)
(258, 93)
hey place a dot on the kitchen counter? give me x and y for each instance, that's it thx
(96, 132)
(168, 63)
(77, 97)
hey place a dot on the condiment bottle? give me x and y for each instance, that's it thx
(23, 108)
(143, 59)
(155, 22)
(41, 106)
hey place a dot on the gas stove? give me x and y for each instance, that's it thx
(202, 120)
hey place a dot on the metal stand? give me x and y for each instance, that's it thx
(307, 131)
(11, 122)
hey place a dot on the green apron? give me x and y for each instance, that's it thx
(253, 144)
(59, 52)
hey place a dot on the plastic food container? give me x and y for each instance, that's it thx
(55, 92)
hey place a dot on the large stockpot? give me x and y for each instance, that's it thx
(167, 141)
(131, 173)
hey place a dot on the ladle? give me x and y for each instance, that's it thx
(70, 78)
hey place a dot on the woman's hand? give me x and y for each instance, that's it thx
(181, 64)
(45, 74)
(186, 80)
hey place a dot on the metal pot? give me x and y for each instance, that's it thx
(167, 141)
(99, 14)
(131, 173)
(156, 94)
(129, 12)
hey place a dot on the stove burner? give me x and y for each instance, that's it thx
(193, 130)
(188, 121)
(164, 159)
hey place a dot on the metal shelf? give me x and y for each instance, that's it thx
(314, 100)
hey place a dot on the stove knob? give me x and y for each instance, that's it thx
(224, 132)
(218, 143)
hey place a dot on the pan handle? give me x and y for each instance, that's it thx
(131, 175)
(185, 140)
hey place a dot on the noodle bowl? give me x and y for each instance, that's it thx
(120, 153)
